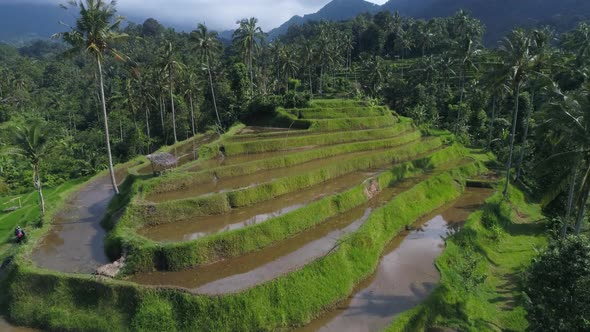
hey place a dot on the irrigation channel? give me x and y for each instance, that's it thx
(406, 274)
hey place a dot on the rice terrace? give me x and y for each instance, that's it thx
(378, 172)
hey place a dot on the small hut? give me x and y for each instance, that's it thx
(162, 162)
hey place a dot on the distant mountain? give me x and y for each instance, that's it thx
(21, 23)
(500, 16)
(16, 27)
(337, 10)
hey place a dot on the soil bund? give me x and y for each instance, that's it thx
(194, 228)
(406, 274)
(244, 181)
(75, 243)
(241, 273)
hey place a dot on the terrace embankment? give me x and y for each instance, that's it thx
(406, 274)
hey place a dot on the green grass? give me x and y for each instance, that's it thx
(338, 103)
(338, 112)
(184, 208)
(270, 145)
(502, 241)
(175, 181)
(143, 253)
(70, 302)
(29, 215)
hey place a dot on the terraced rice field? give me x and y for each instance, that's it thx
(269, 228)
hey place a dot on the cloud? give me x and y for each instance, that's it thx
(217, 14)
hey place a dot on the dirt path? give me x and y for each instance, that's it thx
(75, 244)
(7, 327)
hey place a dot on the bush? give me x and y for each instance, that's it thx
(558, 285)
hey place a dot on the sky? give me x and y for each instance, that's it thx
(217, 14)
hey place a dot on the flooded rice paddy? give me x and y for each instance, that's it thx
(406, 274)
(197, 227)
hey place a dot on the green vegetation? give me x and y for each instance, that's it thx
(39, 298)
(143, 254)
(481, 270)
(184, 208)
(29, 215)
(330, 87)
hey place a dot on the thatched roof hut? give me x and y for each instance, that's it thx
(162, 161)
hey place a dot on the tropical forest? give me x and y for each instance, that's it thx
(380, 171)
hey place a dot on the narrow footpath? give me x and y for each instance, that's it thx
(75, 244)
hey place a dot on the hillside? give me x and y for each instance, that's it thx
(337, 10)
(500, 16)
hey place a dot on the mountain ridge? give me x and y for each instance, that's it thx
(499, 16)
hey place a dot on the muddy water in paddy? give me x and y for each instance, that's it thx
(7, 327)
(406, 274)
(236, 182)
(246, 271)
(75, 243)
(237, 218)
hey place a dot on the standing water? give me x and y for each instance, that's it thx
(406, 274)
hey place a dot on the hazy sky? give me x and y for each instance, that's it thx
(217, 14)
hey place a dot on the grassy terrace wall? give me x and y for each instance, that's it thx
(176, 181)
(218, 203)
(277, 144)
(145, 254)
(338, 112)
(499, 243)
(287, 120)
(82, 303)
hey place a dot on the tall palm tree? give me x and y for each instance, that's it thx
(517, 60)
(29, 142)
(568, 120)
(170, 66)
(249, 36)
(94, 33)
(208, 45)
(288, 64)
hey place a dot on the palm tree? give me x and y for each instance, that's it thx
(248, 37)
(208, 44)
(94, 33)
(517, 59)
(288, 64)
(169, 66)
(29, 142)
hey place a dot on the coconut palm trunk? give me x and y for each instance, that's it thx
(213, 92)
(106, 127)
(172, 105)
(38, 186)
(512, 139)
(524, 139)
(583, 200)
(190, 97)
(570, 203)
(491, 131)
(147, 127)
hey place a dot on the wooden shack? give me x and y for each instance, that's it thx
(162, 162)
